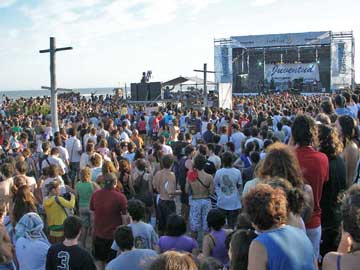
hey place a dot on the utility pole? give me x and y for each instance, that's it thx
(205, 71)
(54, 90)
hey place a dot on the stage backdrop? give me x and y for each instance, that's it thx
(289, 72)
(225, 96)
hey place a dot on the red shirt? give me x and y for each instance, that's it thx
(108, 207)
(315, 170)
(142, 125)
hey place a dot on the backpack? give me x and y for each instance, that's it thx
(142, 191)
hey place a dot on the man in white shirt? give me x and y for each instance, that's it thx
(63, 153)
(54, 159)
(254, 137)
(73, 146)
(237, 137)
(167, 150)
(21, 168)
(212, 157)
(102, 132)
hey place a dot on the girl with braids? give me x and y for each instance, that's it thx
(348, 132)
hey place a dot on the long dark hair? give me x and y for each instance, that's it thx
(329, 142)
(239, 248)
(23, 200)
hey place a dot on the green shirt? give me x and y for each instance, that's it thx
(85, 190)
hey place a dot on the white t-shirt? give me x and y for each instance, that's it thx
(53, 161)
(51, 179)
(237, 138)
(63, 153)
(73, 146)
(216, 160)
(227, 182)
(124, 137)
(167, 150)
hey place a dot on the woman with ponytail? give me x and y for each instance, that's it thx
(295, 202)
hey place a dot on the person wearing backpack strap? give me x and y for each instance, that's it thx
(55, 206)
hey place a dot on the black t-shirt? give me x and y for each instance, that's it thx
(61, 257)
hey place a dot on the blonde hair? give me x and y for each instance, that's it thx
(85, 174)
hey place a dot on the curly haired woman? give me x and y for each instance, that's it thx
(279, 246)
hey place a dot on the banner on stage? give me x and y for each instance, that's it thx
(290, 72)
(225, 96)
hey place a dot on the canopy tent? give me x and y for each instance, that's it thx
(181, 80)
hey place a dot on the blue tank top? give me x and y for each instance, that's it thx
(287, 248)
(219, 250)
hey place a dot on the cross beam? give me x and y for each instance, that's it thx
(54, 108)
(57, 89)
(205, 71)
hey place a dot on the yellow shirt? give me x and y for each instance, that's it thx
(55, 214)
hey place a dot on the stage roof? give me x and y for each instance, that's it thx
(290, 39)
(183, 79)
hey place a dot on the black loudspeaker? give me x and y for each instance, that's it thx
(154, 90)
(145, 91)
(142, 91)
(134, 94)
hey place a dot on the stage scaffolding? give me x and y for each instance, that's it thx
(241, 61)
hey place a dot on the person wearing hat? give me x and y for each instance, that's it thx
(109, 210)
(31, 242)
(55, 207)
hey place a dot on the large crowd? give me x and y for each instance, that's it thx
(272, 184)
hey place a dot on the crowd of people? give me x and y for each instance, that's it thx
(273, 183)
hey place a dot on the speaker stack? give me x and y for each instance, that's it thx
(145, 91)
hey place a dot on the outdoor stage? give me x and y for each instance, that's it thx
(312, 62)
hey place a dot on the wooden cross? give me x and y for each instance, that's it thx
(54, 108)
(205, 71)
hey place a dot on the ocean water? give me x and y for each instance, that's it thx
(40, 93)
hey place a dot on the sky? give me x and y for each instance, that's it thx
(114, 41)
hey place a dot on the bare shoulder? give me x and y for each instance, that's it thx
(308, 188)
(329, 262)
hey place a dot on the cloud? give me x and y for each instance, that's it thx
(260, 3)
(6, 3)
(87, 21)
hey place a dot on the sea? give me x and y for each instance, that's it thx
(86, 92)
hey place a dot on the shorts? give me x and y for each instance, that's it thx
(199, 209)
(102, 249)
(164, 210)
(142, 132)
(231, 217)
(85, 215)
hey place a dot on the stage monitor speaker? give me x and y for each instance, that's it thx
(154, 90)
(134, 92)
(142, 91)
